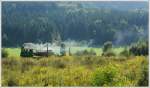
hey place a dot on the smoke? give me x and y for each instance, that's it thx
(125, 37)
(82, 43)
(119, 37)
(73, 45)
(128, 37)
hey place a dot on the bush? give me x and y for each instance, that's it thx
(143, 81)
(108, 53)
(86, 52)
(12, 82)
(107, 49)
(104, 76)
(4, 53)
(92, 52)
(139, 48)
(134, 72)
(107, 46)
(125, 52)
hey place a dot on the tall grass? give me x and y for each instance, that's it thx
(75, 71)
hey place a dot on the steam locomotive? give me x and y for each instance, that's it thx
(29, 50)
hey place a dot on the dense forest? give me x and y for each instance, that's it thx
(121, 23)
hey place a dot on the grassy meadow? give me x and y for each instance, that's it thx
(15, 52)
(74, 70)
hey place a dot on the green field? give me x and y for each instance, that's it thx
(15, 52)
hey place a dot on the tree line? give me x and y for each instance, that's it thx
(51, 22)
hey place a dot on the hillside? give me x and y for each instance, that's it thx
(120, 22)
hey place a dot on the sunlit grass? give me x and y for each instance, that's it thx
(75, 71)
(13, 52)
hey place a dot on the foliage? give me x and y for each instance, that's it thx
(86, 52)
(143, 81)
(130, 73)
(107, 46)
(4, 53)
(104, 76)
(140, 48)
(107, 49)
(51, 21)
(109, 53)
(125, 52)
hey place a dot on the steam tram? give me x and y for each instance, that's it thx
(29, 50)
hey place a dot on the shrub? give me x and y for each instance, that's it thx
(139, 48)
(86, 52)
(4, 53)
(107, 46)
(79, 53)
(92, 52)
(104, 76)
(143, 81)
(125, 52)
(108, 53)
(107, 49)
(134, 72)
(12, 82)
